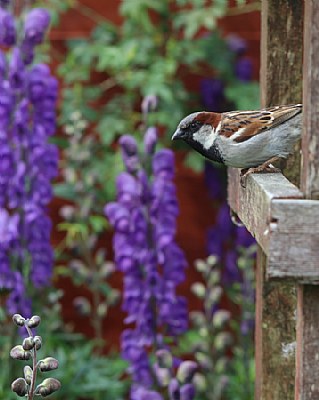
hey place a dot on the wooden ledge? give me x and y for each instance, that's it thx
(284, 224)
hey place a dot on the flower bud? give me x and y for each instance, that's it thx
(28, 343)
(200, 382)
(199, 290)
(212, 260)
(18, 320)
(82, 305)
(37, 342)
(173, 390)
(220, 318)
(186, 371)
(47, 387)
(20, 387)
(34, 321)
(19, 353)
(214, 295)
(128, 145)
(222, 340)
(214, 278)
(27, 370)
(150, 140)
(201, 266)
(102, 309)
(164, 358)
(187, 392)
(163, 375)
(48, 364)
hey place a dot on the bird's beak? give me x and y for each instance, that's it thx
(178, 134)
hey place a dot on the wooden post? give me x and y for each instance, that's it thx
(307, 360)
(281, 72)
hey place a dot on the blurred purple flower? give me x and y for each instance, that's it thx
(28, 162)
(3, 65)
(149, 103)
(150, 140)
(212, 94)
(16, 69)
(236, 44)
(144, 219)
(244, 69)
(7, 29)
(35, 26)
(8, 228)
(215, 181)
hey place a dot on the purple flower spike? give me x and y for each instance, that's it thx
(236, 44)
(212, 93)
(16, 69)
(128, 145)
(144, 220)
(163, 163)
(36, 24)
(4, 3)
(7, 29)
(149, 103)
(187, 392)
(3, 65)
(150, 140)
(173, 390)
(244, 69)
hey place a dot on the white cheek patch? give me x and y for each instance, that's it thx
(206, 136)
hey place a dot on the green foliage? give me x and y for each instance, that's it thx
(159, 43)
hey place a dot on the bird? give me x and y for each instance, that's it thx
(249, 140)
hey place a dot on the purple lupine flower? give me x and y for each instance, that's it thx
(244, 69)
(16, 69)
(8, 228)
(236, 44)
(144, 219)
(3, 66)
(28, 162)
(212, 94)
(150, 140)
(36, 24)
(4, 3)
(7, 29)
(187, 392)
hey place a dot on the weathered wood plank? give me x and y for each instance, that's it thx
(307, 357)
(281, 68)
(307, 360)
(253, 203)
(293, 248)
(310, 137)
(270, 335)
(285, 226)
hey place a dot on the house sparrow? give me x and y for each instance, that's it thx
(250, 140)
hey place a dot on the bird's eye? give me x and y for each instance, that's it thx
(193, 125)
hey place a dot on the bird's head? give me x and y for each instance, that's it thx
(198, 128)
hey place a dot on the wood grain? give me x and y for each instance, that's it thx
(310, 137)
(307, 357)
(281, 83)
(253, 204)
(293, 248)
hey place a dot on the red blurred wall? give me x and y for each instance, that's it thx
(196, 210)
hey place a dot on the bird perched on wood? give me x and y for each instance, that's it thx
(250, 140)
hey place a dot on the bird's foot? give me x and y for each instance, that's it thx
(264, 168)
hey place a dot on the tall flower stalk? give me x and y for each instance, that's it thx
(144, 219)
(28, 163)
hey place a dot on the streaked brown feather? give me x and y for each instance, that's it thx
(255, 122)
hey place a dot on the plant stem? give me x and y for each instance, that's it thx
(34, 365)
